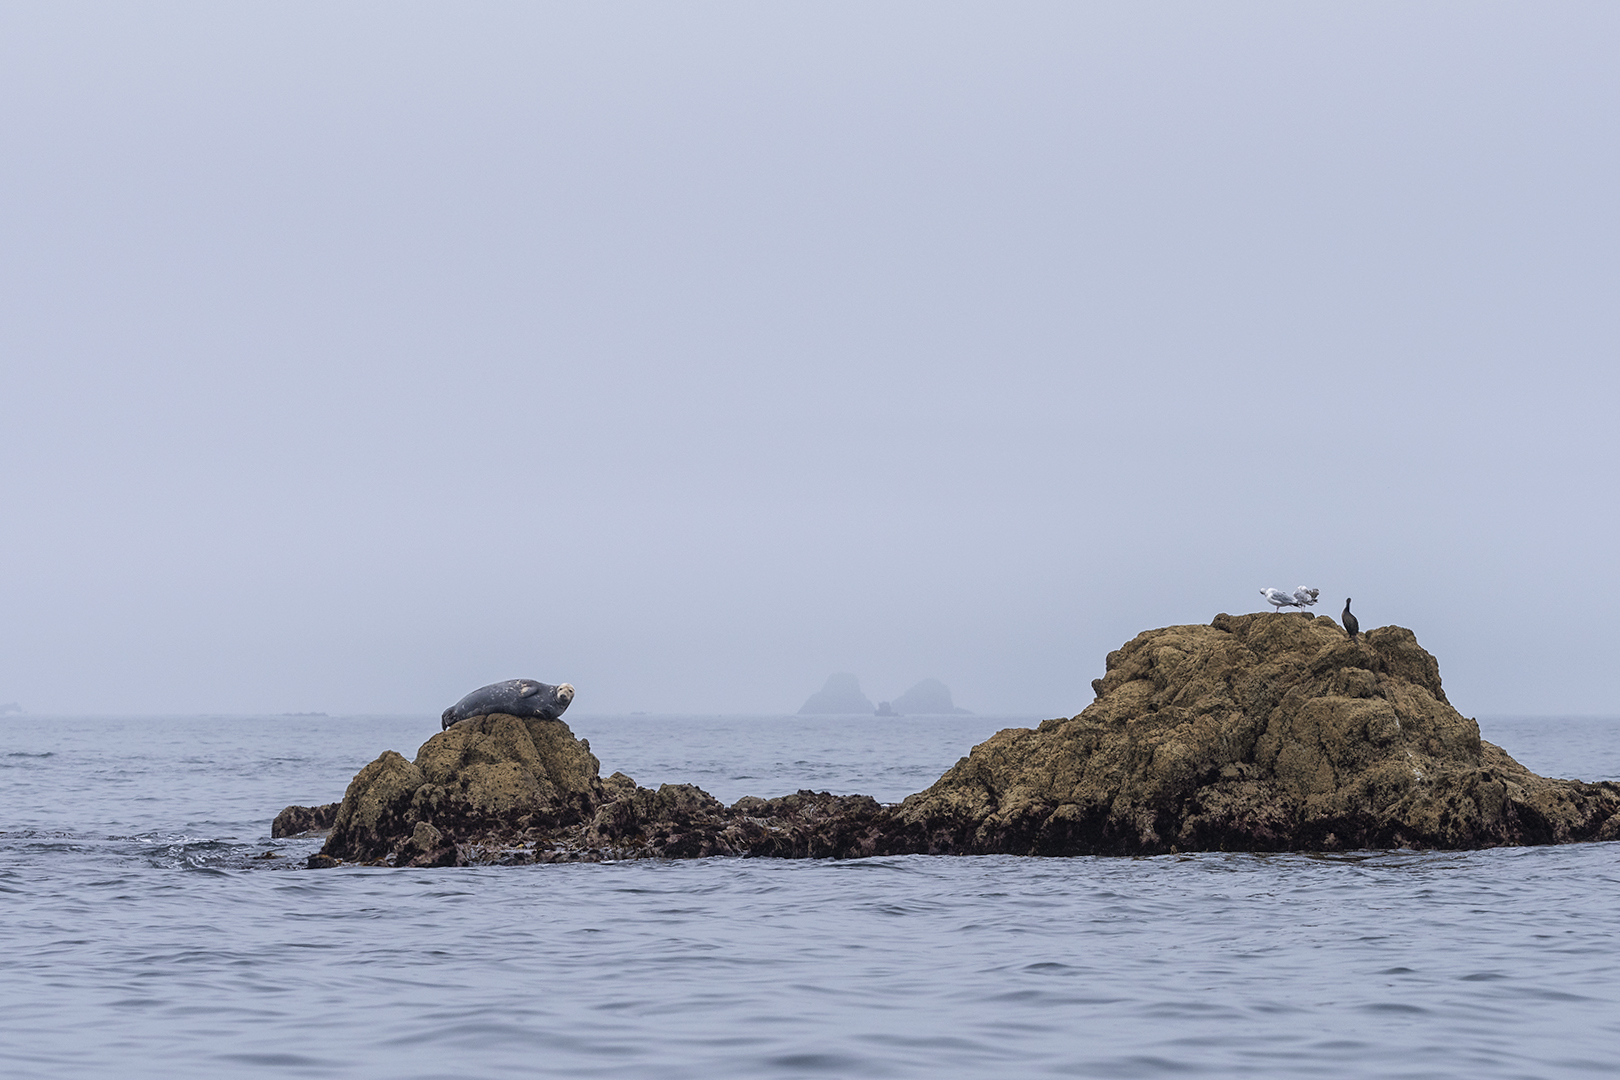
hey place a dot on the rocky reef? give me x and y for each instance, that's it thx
(1254, 733)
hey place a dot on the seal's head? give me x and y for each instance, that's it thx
(542, 700)
(565, 697)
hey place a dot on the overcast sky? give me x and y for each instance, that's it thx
(355, 355)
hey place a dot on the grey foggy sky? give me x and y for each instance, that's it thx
(353, 356)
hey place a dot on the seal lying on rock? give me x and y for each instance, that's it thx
(514, 697)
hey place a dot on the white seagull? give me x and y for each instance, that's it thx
(1279, 599)
(1299, 598)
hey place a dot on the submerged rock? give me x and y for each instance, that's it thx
(1254, 733)
(301, 820)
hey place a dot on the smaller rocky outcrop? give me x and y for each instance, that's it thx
(840, 696)
(304, 820)
(505, 789)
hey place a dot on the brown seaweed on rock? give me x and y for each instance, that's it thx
(1254, 733)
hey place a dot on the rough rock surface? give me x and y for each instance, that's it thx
(1255, 733)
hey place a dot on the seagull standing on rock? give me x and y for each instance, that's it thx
(1304, 597)
(1280, 599)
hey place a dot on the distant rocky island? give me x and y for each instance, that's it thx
(841, 696)
(928, 698)
(1264, 732)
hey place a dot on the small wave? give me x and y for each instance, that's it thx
(835, 1064)
(1395, 1007)
(221, 856)
(275, 1061)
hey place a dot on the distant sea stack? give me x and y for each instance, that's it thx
(928, 698)
(1254, 733)
(841, 696)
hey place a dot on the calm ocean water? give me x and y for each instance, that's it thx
(141, 936)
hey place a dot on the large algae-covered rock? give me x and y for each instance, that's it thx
(1258, 733)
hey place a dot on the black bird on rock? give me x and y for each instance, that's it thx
(1350, 624)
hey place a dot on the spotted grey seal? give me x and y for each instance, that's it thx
(514, 697)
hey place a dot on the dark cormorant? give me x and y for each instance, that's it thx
(1350, 623)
